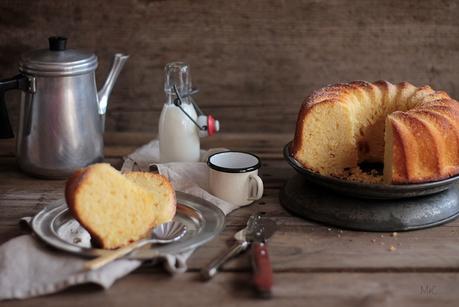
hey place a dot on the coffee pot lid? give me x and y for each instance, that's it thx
(57, 60)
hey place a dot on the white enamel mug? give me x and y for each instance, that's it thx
(233, 176)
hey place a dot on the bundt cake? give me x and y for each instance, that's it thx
(413, 130)
(118, 209)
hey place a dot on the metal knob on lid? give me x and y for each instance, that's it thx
(57, 43)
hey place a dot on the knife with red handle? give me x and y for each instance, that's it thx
(262, 271)
(260, 229)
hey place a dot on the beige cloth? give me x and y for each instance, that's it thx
(28, 268)
(188, 177)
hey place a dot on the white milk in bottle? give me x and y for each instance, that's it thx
(178, 135)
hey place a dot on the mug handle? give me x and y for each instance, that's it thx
(257, 185)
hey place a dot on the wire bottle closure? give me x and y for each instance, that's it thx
(178, 103)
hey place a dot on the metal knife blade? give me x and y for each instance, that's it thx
(260, 228)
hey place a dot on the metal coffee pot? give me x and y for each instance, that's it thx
(62, 115)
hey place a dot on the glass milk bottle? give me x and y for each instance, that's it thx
(178, 135)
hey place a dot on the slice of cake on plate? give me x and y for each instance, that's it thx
(118, 209)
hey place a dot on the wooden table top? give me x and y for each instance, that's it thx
(313, 264)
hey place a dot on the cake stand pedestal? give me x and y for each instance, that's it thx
(307, 200)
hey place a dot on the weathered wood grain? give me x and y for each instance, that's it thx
(120, 144)
(290, 289)
(253, 60)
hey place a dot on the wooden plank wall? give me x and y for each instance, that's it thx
(253, 60)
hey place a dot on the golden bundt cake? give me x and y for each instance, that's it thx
(413, 130)
(116, 209)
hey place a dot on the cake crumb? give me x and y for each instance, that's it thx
(373, 240)
(394, 234)
(392, 248)
(329, 229)
(356, 174)
(382, 236)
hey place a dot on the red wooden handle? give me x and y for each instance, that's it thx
(262, 271)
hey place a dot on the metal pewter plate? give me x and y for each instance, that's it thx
(319, 204)
(56, 226)
(369, 190)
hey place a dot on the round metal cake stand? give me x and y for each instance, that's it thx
(319, 204)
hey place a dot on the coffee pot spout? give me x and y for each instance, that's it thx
(118, 62)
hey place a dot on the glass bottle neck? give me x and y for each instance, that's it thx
(177, 77)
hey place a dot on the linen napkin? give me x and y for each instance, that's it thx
(188, 177)
(28, 268)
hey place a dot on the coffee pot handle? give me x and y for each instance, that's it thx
(17, 82)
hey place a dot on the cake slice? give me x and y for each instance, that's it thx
(116, 209)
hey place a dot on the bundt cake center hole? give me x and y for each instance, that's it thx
(372, 168)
